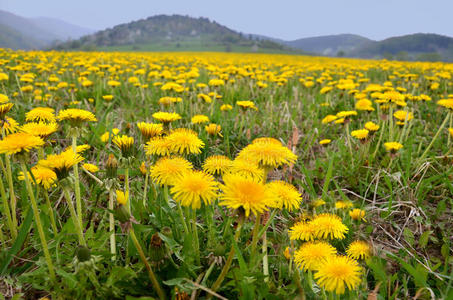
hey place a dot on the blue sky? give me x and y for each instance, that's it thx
(286, 19)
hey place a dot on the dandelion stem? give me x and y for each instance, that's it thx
(6, 210)
(229, 260)
(12, 194)
(51, 214)
(435, 137)
(76, 181)
(151, 275)
(265, 259)
(112, 226)
(42, 236)
(75, 220)
(255, 236)
(449, 135)
(390, 122)
(378, 143)
(195, 235)
(348, 139)
(208, 272)
(145, 188)
(183, 220)
(126, 183)
(299, 285)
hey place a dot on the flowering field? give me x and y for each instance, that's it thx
(229, 176)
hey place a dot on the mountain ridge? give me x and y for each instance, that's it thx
(173, 33)
(40, 32)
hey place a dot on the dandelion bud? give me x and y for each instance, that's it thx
(156, 249)
(83, 253)
(122, 215)
(111, 166)
(143, 169)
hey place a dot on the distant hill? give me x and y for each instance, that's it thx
(63, 30)
(419, 46)
(173, 33)
(17, 32)
(10, 38)
(330, 45)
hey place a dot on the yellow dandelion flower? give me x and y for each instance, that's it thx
(166, 117)
(325, 142)
(184, 141)
(121, 197)
(267, 140)
(79, 148)
(3, 98)
(165, 170)
(447, 103)
(20, 142)
(359, 250)
(43, 176)
(393, 146)
(318, 202)
(226, 107)
(192, 187)
(217, 164)
(247, 193)
(343, 204)
(113, 83)
(199, 119)
(364, 104)
(370, 126)
(125, 144)
(40, 129)
(9, 125)
(5, 108)
(90, 168)
(403, 115)
(41, 114)
(325, 90)
(328, 119)
(339, 121)
(287, 195)
(450, 130)
(213, 129)
(287, 253)
(61, 163)
(360, 134)
(158, 146)
(246, 105)
(76, 116)
(337, 272)
(346, 114)
(143, 169)
(107, 97)
(311, 254)
(329, 226)
(150, 130)
(216, 82)
(247, 168)
(357, 214)
(268, 155)
(302, 231)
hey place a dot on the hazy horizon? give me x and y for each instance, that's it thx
(288, 21)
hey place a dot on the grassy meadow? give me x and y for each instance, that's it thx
(224, 176)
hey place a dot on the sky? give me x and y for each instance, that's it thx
(285, 19)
